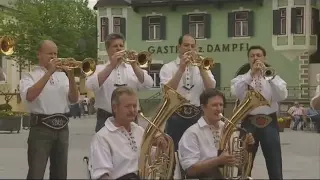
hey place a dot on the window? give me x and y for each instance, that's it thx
(104, 28)
(198, 25)
(154, 72)
(283, 21)
(299, 21)
(119, 25)
(241, 24)
(153, 28)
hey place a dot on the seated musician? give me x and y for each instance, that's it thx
(198, 147)
(115, 148)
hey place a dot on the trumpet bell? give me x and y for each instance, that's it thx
(269, 73)
(144, 58)
(88, 66)
(6, 45)
(207, 63)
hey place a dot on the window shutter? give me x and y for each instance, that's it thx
(293, 20)
(123, 26)
(163, 28)
(145, 28)
(250, 23)
(231, 28)
(185, 24)
(207, 25)
(315, 14)
(276, 22)
(216, 71)
(105, 21)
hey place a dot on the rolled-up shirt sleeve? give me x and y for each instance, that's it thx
(147, 81)
(165, 75)
(211, 76)
(189, 152)
(239, 85)
(92, 82)
(279, 89)
(25, 83)
(100, 157)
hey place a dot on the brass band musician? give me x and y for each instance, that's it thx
(115, 149)
(189, 81)
(262, 121)
(47, 95)
(115, 73)
(198, 147)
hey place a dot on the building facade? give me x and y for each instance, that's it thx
(224, 30)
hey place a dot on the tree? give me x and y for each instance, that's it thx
(69, 23)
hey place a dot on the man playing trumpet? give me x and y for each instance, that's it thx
(199, 145)
(115, 73)
(189, 81)
(262, 121)
(47, 95)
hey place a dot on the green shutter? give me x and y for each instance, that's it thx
(276, 22)
(145, 28)
(250, 23)
(185, 24)
(315, 14)
(123, 26)
(216, 71)
(163, 28)
(293, 20)
(231, 21)
(207, 26)
(106, 29)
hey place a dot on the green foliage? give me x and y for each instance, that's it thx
(69, 23)
(12, 113)
(5, 107)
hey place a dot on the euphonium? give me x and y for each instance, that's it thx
(198, 60)
(234, 145)
(6, 45)
(163, 164)
(143, 58)
(87, 66)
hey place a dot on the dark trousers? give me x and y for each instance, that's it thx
(269, 139)
(316, 120)
(176, 126)
(102, 116)
(44, 142)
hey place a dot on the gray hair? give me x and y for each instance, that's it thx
(120, 91)
(111, 37)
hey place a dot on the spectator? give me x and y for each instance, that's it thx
(297, 113)
(314, 115)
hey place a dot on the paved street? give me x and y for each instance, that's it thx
(301, 153)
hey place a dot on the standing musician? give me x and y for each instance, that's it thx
(262, 121)
(198, 147)
(115, 149)
(315, 101)
(47, 95)
(112, 75)
(189, 81)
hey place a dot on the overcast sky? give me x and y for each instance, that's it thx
(92, 3)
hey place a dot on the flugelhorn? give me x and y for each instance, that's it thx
(87, 66)
(6, 45)
(143, 58)
(196, 59)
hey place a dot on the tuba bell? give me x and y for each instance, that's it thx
(142, 58)
(235, 145)
(163, 164)
(87, 66)
(6, 45)
(196, 59)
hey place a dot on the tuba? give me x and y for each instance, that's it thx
(196, 59)
(235, 145)
(163, 164)
(87, 66)
(143, 58)
(6, 45)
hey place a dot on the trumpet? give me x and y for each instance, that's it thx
(267, 72)
(7, 45)
(196, 59)
(130, 56)
(87, 66)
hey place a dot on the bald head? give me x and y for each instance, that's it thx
(47, 50)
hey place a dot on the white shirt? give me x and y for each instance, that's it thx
(54, 96)
(273, 91)
(315, 98)
(191, 77)
(124, 74)
(114, 152)
(197, 144)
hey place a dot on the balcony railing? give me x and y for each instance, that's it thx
(294, 93)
